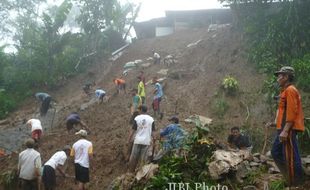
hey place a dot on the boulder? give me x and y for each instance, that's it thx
(225, 161)
(147, 171)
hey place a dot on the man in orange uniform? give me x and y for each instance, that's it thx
(289, 121)
(121, 84)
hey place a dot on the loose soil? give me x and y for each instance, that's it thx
(193, 86)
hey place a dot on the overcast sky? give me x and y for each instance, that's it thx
(156, 8)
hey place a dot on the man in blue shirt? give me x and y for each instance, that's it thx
(45, 99)
(173, 138)
(158, 94)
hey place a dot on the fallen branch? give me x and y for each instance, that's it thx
(247, 110)
(84, 56)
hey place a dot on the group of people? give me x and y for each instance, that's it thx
(32, 173)
(289, 121)
(30, 169)
(141, 139)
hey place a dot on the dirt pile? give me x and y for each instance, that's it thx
(192, 87)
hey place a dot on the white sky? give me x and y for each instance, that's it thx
(156, 8)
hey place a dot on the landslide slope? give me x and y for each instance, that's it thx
(192, 86)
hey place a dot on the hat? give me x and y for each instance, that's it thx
(285, 70)
(66, 147)
(174, 118)
(82, 132)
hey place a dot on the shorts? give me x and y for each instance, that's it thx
(29, 184)
(71, 122)
(49, 177)
(122, 86)
(156, 103)
(36, 134)
(81, 173)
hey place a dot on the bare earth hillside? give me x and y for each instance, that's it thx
(192, 87)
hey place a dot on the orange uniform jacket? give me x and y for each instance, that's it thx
(290, 109)
(119, 81)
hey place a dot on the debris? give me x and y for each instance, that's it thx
(163, 71)
(147, 171)
(130, 64)
(149, 59)
(212, 27)
(199, 120)
(125, 72)
(125, 181)
(224, 161)
(169, 59)
(194, 44)
(3, 122)
(144, 65)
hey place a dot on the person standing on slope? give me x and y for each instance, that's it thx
(289, 121)
(158, 94)
(82, 151)
(141, 89)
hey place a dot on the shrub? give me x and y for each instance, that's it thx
(230, 85)
(220, 107)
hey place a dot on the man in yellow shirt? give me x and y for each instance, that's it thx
(141, 90)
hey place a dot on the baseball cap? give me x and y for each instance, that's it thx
(285, 70)
(174, 118)
(82, 132)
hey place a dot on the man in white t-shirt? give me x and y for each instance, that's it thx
(82, 151)
(55, 162)
(36, 128)
(143, 127)
(29, 165)
(156, 57)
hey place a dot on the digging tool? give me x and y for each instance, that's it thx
(53, 118)
(265, 140)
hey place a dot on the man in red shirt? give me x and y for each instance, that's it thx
(289, 121)
(120, 84)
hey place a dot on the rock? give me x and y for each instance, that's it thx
(254, 164)
(306, 169)
(147, 171)
(217, 168)
(249, 187)
(138, 61)
(242, 171)
(257, 155)
(163, 71)
(306, 160)
(224, 161)
(268, 154)
(273, 170)
(257, 160)
(124, 181)
(144, 65)
(263, 159)
(149, 59)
